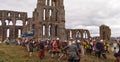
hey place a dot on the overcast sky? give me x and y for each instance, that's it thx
(84, 14)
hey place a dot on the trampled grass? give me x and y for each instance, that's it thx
(13, 53)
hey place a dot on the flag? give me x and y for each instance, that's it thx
(29, 33)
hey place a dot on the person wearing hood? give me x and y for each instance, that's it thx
(100, 49)
(73, 52)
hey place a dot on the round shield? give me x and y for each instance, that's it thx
(115, 48)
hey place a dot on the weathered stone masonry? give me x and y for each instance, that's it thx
(8, 21)
(48, 21)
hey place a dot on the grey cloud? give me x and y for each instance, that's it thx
(89, 14)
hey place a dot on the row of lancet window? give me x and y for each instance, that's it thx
(49, 30)
(9, 14)
(49, 14)
(18, 23)
(8, 33)
(0, 23)
(85, 35)
(50, 2)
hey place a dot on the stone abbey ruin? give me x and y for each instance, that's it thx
(48, 21)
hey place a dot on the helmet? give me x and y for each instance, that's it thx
(57, 39)
(101, 40)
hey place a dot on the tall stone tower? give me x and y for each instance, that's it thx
(105, 32)
(49, 19)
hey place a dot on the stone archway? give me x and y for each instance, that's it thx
(9, 26)
(19, 23)
(78, 33)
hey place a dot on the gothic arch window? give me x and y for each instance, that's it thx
(50, 2)
(26, 22)
(0, 23)
(56, 30)
(43, 30)
(6, 22)
(19, 33)
(8, 33)
(50, 14)
(8, 14)
(54, 2)
(46, 2)
(44, 14)
(33, 26)
(85, 35)
(0, 14)
(49, 30)
(11, 23)
(19, 23)
(70, 34)
(78, 34)
(56, 17)
(19, 15)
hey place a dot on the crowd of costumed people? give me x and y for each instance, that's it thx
(73, 49)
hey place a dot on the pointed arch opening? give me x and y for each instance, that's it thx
(0, 23)
(78, 34)
(46, 2)
(54, 3)
(44, 14)
(49, 30)
(50, 2)
(11, 23)
(8, 14)
(33, 26)
(26, 22)
(56, 30)
(6, 22)
(19, 33)
(70, 34)
(8, 33)
(43, 30)
(19, 23)
(19, 15)
(50, 14)
(56, 16)
(85, 35)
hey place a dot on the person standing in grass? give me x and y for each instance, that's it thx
(41, 53)
(31, 47)
(73, 52)
(55, 48)
(100, 49)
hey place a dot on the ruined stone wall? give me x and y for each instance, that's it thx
(78, 33)
(105, 32)
(49, 19)
(9, 20)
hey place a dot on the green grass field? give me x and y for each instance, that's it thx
(13, 53)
